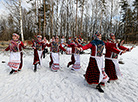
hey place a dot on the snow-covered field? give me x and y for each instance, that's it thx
(65, 86)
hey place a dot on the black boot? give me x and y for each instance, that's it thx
(84, 75)
(108, 81)
(11, 71)
(44, 54)
(99, 88)
(49, 66)
(35, 67)
(68, 65)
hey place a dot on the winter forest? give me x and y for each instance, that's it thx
(68, 50)
(70, 18)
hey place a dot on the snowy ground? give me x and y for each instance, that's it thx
(64, 86)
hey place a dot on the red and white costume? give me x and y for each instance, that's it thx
(54, 55)
(111, 60)
(95, 73)
(16, 54)
(39, 47)
(75, 58)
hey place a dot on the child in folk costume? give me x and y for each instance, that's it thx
(75, 58)
(38, 46)
(54, 55)
(95, 73)
(15, 47)
(111, 58)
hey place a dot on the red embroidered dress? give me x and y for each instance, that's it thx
(39, 45)
(54, 56)
(75, 58)
(15, 48)
(111, 60)
(95, 70)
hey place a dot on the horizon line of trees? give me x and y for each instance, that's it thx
(70, 18)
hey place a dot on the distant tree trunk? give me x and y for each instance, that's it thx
(101, 21)
(44, 26)
(39, 18)
(76, 32)
(21, 22)
(82, 18)
(67, 19)
(111, 15)
(92, 29)
(35, 12)
(52, 14)
(57, 26)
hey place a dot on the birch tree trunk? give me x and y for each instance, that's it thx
(111, 15)
(39, 17)
(82, 18)
(51, 18)
(76, 17)
(44, 26)
(21, 22)
(67, 35)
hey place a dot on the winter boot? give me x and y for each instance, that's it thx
(68, 65)
(99, 88)
(108, 81)
(12, 71)
(19, 69)
(35, 67)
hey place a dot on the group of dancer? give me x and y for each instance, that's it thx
(97, 72)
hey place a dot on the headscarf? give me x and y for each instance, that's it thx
(14, 34)
(96, 34)
(111, 35)
(96, 40)
(39, 36)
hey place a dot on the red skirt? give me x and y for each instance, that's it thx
(110, 69)
(92, 73)
(36, 57)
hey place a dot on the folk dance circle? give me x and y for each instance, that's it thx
(97, 71)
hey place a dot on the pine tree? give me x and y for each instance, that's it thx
(135, 13)
(124, 9)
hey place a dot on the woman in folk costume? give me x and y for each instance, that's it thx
(38, 46)
(63, 41)
(75, 58)
(111, 58)
(54, 55)
(95, 73)
(15, 47)
(53, 39)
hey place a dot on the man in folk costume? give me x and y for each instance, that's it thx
(111, 58)
(75, 58)
(38, 46)
(15, 47)
(54, 55)
(95, 73)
